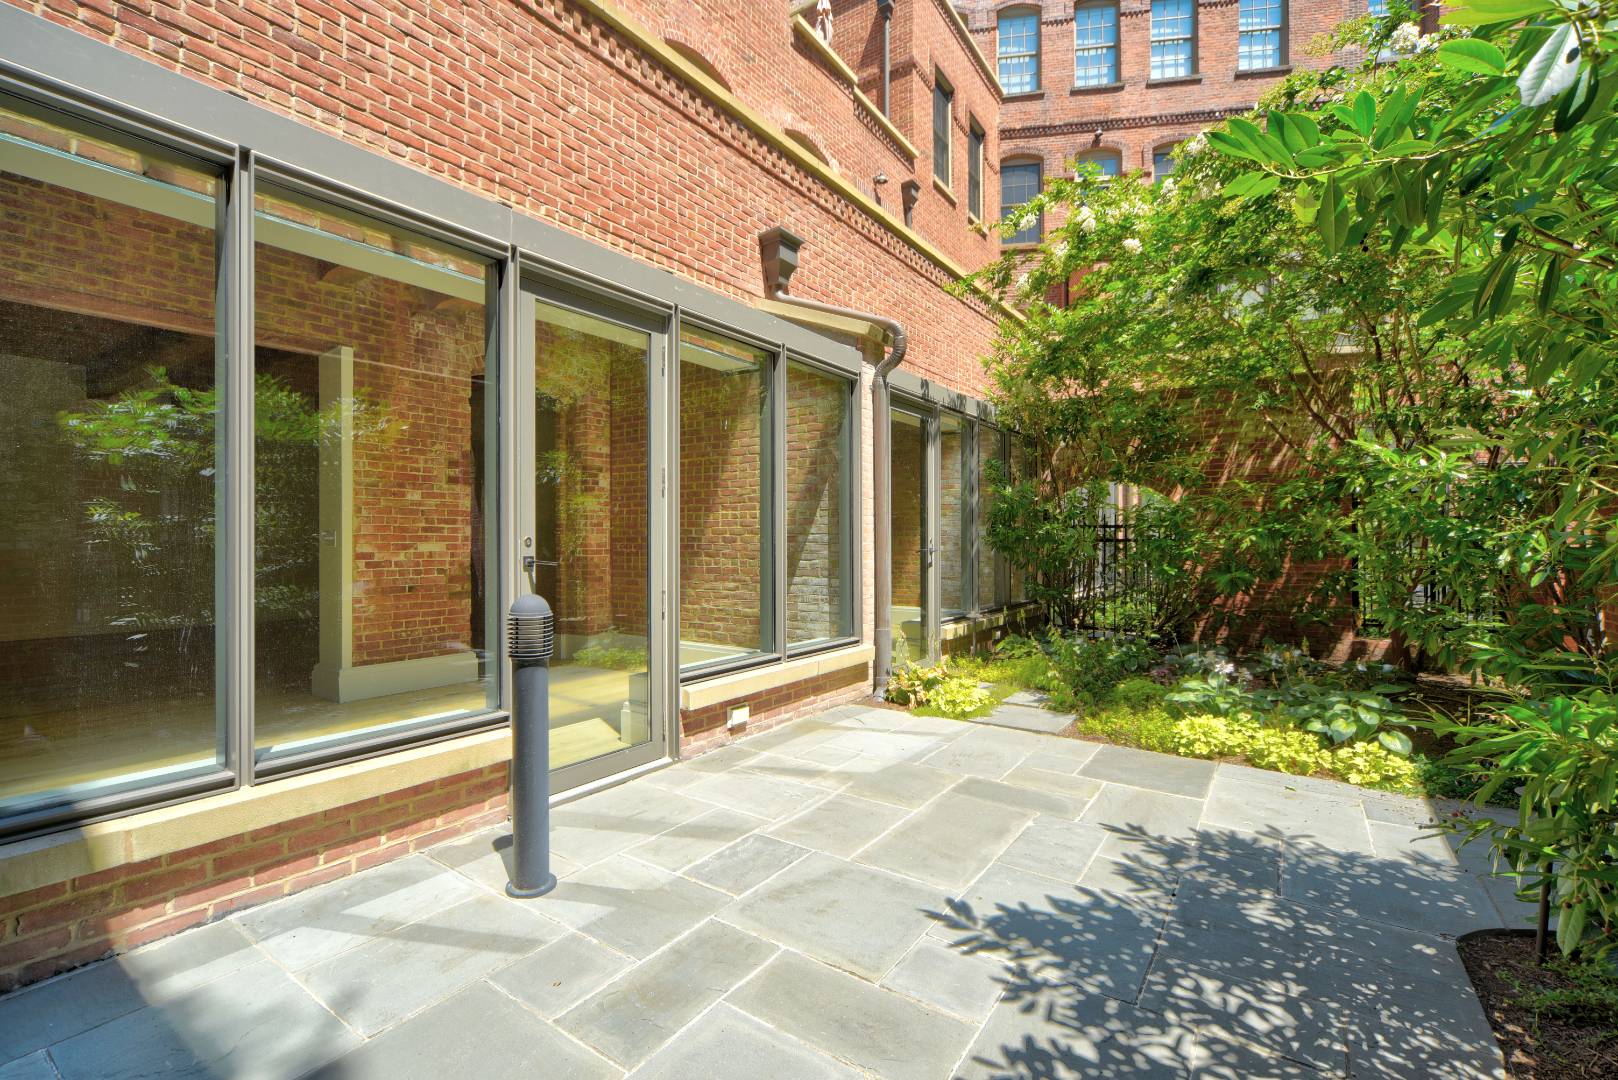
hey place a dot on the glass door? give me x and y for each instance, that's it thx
(590, 527)
(914, 623)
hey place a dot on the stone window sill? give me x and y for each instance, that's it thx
(1178, 80)
(1098, 88)
(944, 190)
(1026, 95)
(741, 684)
(1265, 72)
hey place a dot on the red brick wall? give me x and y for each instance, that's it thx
(61, 926)
(702, 730)
(817, 446)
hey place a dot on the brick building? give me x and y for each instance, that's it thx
(1121, 83)
(328, 328)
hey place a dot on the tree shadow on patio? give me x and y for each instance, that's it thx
(1219, 949)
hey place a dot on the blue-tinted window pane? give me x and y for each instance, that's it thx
(1173, 26)
(1258, 40)
(1163, 163)
(941, 129)
(1379, 8)
(1019, 52)
(1106, 160)
(1018, 184)
(1095, 45)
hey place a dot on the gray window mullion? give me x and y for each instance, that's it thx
(234, 350)
(777, 559)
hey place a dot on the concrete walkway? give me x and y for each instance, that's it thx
(861, 893)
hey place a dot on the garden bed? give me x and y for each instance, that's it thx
(1274, 709)
(1558, 1022)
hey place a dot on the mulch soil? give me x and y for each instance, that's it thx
(1503, 970)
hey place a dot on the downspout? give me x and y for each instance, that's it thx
(780, 255)
(884, 8)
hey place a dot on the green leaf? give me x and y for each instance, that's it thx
(1472, 54)
(1577, 101)
(1553, 68)
(1252, 185)
(1364, 113)
(1332, 220)
(1395, 742)
(1342, 729)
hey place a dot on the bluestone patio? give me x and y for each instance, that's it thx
(860, 893)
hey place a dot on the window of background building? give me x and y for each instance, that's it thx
(371, 609)
(1095, 44)
(109, 467)
(943, 99)
(726, 518)
(974, 171)
(1379, 8)
(1163, 162)
(1019, 182)
(1110, 162)
(1259, 38)
(1018, 51)
(1174, 27)
(819, 596)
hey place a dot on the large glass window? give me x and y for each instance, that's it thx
(1174, 25)
(991, 591)
(943, 99)
(1019, 182)
(1021, 462)
(725, 500)
(591, 528)
(819, 564)
(1095, 44)
(1018, 51)
(372, 477)
(908, 531)
(1258, 37)
(109, 465)
(954, 526)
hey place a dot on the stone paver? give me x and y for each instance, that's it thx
(628, 1019)
(853, 917)
(858, 894)
(849, 1018)
(1027, 716)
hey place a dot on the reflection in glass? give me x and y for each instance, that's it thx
(591, 528)
(371, 612)
(1021, 470)
(907, 474)
(725, 541)
(990, 589)
(819, 607)
(954, 556)
(109, 465)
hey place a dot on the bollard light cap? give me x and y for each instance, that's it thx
(530, 629)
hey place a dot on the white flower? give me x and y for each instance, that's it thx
(1059, 250)
(1022, 283)
(1405, 38)
(1132, 245)
(1194, 147)
(1168, 186)
(1086, 219)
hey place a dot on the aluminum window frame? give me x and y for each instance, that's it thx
(1245, 33)
(1028, 36)
(96, 84)
(943, 130)
(851, 511)
(1178, 32)
(1108, 49)
(1034, 232)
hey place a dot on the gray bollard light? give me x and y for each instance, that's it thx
(530, 639)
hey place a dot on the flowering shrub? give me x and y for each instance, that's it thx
(937, 688)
